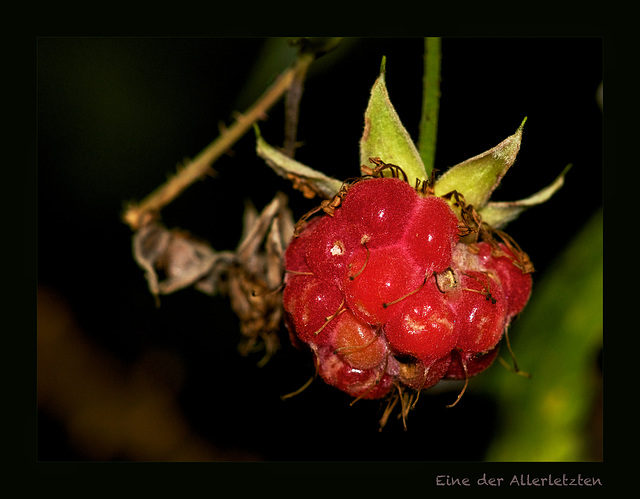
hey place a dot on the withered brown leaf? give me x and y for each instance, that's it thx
(255, 279)
(172, 258)
(252, 276)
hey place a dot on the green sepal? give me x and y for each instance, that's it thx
(477, 177)
(304, 178)
(499, 214)
(385, 137)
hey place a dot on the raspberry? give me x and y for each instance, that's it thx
(377, 279)
(385, 295)
(358, 343)
(379, 209)
(462, 366)
(369, 383)
(480, 311)
(294, 258)
(310, 303)
(516, 284)
(425, 328)
(334, 244)
(432, 233)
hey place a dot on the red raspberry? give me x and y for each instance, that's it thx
(334, 244)
(359, 344)
(295, 260)
(479, 306)
(363, 383)
(377, 279)
(379, 209)
(464, 366)
(425, 326)
(420, 376)
(432, 233)
(516, 284)
(384, 294)
(310, 303)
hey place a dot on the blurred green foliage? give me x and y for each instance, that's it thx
(557, 340)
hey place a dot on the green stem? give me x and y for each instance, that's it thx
(430, 103)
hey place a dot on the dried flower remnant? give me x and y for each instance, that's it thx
(173, 259)
(251, 276)
(254, 280)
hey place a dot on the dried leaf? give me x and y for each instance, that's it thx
(255, 279)
(311, 182)
(276, 244)
(173, 254)
(149, 243)
(499, 214)
(477, 177)
(255, 235)
(385, 137)
(251, 276)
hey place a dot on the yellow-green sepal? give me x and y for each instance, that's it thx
(385, 136)
(311, 182)
(477, 177)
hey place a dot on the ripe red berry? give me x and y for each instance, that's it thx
(417, 375)
(516, 284)
(480, 311)
(310, 302)
(377, 280)
(432, 233)
(295, 260)
(359, 344)
(384, 294)
(334, 243)
(364, 383)
(466, 365)
(425, 326)
(379, 209)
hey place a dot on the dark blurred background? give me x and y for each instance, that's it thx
(118, 378)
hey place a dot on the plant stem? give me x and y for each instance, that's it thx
(430, 103)
(136, 215)
(292, 105)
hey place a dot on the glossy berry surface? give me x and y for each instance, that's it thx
(384, 293)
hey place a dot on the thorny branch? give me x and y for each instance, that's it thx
(252, 274)
(137, 215)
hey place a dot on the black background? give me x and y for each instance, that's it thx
(115, 116)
